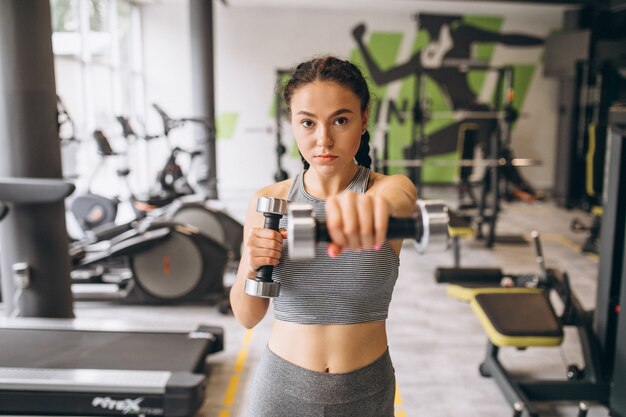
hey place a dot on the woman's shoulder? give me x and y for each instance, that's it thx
(275, 190)
(381, 180)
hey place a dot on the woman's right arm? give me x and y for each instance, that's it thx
(260, 247)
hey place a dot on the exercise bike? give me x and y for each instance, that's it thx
(177, 200)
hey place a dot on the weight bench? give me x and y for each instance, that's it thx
(515, 311)
(524, 319)
(465, 283)
(518, 318)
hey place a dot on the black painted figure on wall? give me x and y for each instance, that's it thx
(446, 60)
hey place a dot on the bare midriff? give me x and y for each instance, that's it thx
(332, 348)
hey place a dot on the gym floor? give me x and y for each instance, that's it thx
(436, 342)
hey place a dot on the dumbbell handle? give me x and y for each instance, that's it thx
(398, 228)
(262, 284)
(264, 273)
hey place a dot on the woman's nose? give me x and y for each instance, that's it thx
(323, 137)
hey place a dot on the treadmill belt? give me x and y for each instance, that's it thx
(69, 349)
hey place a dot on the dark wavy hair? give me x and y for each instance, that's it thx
(342, 72)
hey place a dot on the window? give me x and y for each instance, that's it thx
(98, 67)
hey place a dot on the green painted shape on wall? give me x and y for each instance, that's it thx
(492, 23)
(422, 38)
(283, 80)
(523, 78)
(226, 124)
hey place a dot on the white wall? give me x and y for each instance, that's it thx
(251, 43)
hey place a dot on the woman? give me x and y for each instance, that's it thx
(327, 352)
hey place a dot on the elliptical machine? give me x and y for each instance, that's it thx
(167, 262)
(153, 259)
(171, 199)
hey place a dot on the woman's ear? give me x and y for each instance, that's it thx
(366, 114)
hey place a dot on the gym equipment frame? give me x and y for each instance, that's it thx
(499, 158)
(102, 369)
(602, 332)
(94, 370)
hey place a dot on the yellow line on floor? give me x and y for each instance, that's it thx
(398, 399)
(235, 378)
(397, 402)
(231, 391)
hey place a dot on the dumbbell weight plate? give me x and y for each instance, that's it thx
(435, 220)
(301, 231)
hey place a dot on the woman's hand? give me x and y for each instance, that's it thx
(356, 221)
(263, 247)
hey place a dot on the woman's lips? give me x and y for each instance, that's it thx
(326, 158)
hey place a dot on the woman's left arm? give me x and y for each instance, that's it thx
(397, 191)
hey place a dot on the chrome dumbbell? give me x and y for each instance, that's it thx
(262, 285)
(428, 228)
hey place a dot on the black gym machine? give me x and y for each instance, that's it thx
(175, 232)
(176, 253)
(601, 332)
(492, 128)
(49, 363)
(171, 199)
(609, 85)
(86, 368)
(587, 60)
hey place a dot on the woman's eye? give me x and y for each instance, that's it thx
(341, 121)
(306, 123)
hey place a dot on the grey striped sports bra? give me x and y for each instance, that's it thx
(354, 287)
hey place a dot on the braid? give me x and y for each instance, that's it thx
(304, 162)
(363, 154)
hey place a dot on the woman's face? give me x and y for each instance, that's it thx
(327, 123)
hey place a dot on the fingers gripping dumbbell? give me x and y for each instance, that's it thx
(262, 285)
(428, 227)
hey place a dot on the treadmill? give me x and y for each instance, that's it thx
(53, 366)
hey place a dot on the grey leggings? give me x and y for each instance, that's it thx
(282, 389)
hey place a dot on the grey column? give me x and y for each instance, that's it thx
(201, 19)
(29, 147)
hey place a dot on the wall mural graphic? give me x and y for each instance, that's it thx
(453, 55)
